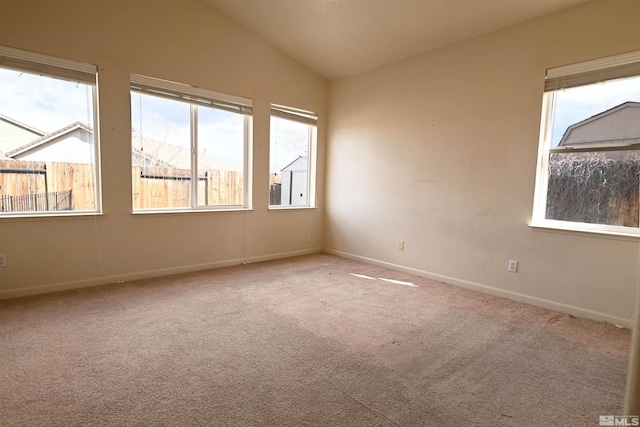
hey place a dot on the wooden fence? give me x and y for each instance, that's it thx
(152, 187)
(171, 188)
(22, 180)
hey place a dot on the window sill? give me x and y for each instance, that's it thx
(290, 208)
(563, 228)
(49, 216)
(187, 211)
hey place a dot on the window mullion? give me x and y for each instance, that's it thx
(194, 156)
(247, 159)
(596, 148)
(540, 198)
(97, 169)
(309, 169)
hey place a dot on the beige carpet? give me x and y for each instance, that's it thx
(307, 341)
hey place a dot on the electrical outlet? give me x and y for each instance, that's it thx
(401, 245)
(513, 266)
(3, 260)
(308, 238)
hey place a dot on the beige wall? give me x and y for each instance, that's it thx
(440, 151)
(179, 40)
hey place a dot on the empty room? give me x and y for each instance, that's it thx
(319, 212)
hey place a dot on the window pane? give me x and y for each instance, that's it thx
(47, 144)
(289, 162)
(161, 153)
(576, 105)
(189, 146)
(220, 157)
(596, 188)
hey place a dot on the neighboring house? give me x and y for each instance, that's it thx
(618, 125)
(295, 188)
(72, 144)
(14, 134)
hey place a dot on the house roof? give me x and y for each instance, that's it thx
(142, 158)
(14, 134)
(51, 137)
(293, 163)
(619, 124)
(163, 154)
(21, 125)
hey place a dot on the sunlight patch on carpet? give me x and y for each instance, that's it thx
(362, 276)
(397, 282)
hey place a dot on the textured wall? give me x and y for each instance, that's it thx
(445, 149)
(183, 41)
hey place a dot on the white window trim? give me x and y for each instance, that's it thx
(195, 96)
(311, 119)
(33, 60)
(588, 72)
(187, 93)
(67, 69)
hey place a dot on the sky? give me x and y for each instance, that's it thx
(577, 104)
(48, 104)
(220, 133)
(290, 140)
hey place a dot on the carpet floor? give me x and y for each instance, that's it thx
(308, 341)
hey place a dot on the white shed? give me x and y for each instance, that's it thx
(295, 183)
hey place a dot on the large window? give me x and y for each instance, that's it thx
(292, 158)
(189, 147)
(589, 156)
(48, 142)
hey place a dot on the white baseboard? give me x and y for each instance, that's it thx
(539, 302)
(128, 277)
(281, 255)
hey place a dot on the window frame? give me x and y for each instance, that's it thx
(71, 71)
(571, 76)
(311, 119)
(198, 97)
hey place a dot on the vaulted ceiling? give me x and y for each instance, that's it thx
(337, 38)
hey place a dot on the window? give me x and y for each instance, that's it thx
(292, 158)
(589, 157)
(48, 141)
(189, 147)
